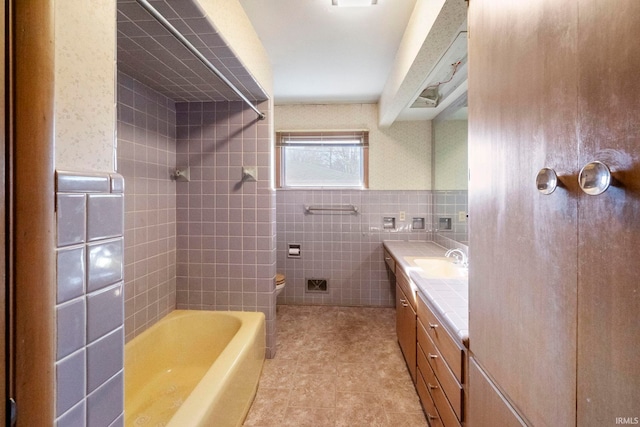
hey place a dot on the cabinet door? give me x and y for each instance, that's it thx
(523, 245)
(609, 224)
(406, 330)
(488, 407)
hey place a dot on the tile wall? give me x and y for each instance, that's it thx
(90, 304)
(345, 249)
(225, 225)
(146, 159)
(452, 204)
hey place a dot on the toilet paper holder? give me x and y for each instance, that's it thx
(293, 250)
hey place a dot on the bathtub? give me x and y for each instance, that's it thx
(194, 368)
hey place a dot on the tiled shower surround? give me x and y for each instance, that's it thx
(344, 248)
(146, 159)
(225, 224)
(89, 310)
(204, 244)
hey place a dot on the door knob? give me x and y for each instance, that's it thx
(547, 181)
(594, 178)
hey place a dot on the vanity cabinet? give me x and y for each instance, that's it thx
(441, 369)
(406, 320)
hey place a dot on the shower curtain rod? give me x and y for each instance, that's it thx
(187, 44)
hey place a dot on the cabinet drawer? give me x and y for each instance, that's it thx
(445, 411)
(446, 378)
(451, 352)
(427, 403)
(391, 263)
(405, 283)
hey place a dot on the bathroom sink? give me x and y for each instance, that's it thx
(438, 267)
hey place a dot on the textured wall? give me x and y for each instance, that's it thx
(85, 38)
(225, 226)
(146, 159)
(450, 155)
(232, 23)
(399, 156)
(345, 249)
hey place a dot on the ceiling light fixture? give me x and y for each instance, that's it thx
(353, 3)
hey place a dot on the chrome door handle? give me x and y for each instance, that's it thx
(594, 178)
(432, 356)
(547, 181)
(433, 325)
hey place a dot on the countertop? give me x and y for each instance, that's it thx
(448, 298)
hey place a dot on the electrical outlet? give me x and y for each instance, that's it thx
(462, 216)
(402, 216)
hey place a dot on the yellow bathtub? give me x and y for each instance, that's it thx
(194, 368)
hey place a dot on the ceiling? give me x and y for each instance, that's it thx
(150, 54)
(320, 53)
(327, 54)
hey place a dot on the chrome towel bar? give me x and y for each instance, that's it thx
(341, 208)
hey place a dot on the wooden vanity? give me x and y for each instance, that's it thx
(434, 346)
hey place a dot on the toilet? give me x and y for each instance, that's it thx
(280, 282)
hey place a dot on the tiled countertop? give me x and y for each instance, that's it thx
(448, 298)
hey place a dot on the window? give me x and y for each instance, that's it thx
(322, 159)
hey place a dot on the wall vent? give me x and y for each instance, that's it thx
(317, 285)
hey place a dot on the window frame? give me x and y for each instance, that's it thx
(360, 138)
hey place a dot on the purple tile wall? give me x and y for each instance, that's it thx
(449, 204)
(90, 304)
(345, 249)
(225, 226)
(147, 158)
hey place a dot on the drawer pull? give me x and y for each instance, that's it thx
(431, 386)
(433, 325)
(404, 302)
(432, 417)
(432, 356)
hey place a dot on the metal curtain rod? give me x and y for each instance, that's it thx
(186, 43)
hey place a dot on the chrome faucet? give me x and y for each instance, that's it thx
(459, 255)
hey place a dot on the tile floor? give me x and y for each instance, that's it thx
(336, 366)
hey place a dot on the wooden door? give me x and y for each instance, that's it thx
(609, 224)
(4, 137)
(523, 245)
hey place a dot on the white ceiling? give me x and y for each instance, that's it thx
(327, 54)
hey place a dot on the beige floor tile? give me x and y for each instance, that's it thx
(314, 391)
(278, 373)
(268, 407)
(357, 377)
(403, 419)
(336, 366)
(359, 409)
(309, 417)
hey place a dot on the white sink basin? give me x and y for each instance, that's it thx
(438, 267)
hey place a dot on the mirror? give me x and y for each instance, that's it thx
(450, 172)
